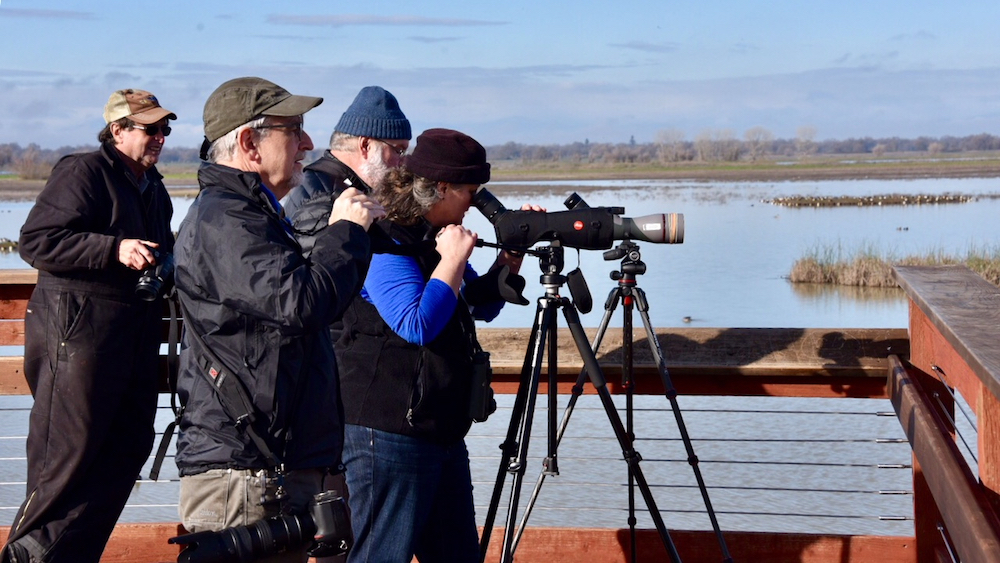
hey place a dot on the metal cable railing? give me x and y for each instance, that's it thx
(864, 481)
(834, 484)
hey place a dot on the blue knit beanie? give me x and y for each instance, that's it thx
(375, 113)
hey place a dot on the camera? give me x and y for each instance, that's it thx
(481, 401)
(580, 227)
(327, 526)
(157, 279)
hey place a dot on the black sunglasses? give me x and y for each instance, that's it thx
(153, 130)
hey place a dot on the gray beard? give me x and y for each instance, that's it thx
(374, 170)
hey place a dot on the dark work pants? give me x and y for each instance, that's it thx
(91, 364)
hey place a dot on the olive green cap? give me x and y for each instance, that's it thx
(241, 100)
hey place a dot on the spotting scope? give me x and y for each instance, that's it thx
(582, 226)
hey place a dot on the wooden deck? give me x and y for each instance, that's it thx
(952, 336)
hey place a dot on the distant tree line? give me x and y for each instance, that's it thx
(34, 162)
(670, 146)
(723, 146)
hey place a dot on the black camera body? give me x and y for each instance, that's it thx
(326, 526)
(481, 401)
(157, 279)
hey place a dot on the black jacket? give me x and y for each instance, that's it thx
(396, 386)
(263, 309)
(308, 205)
(91, 203)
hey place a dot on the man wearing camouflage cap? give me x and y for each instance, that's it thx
(91, 344)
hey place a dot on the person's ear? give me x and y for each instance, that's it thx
(116, 130)
(364, 146)
(248, 143)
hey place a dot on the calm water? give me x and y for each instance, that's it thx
(731, 269)
(729, 272)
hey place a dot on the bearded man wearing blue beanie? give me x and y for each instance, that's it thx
(369, 140)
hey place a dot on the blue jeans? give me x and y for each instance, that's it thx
(409, 497)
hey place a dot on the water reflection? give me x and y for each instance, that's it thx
(820, 291)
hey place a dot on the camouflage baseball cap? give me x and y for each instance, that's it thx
(241, 100)
(138, 105)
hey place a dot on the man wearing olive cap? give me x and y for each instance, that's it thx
(256, 309)
(91, 345)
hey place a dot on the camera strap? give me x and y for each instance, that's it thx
(235, 399)
(468, 324)
(173, 342)
(233, 396)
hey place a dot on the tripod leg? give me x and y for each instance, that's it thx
(631, 456)
(527, 387)
(671, 394)
(519, 433)
(609, 307)
(629, 384)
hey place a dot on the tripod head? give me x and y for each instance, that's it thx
(551, 262)
(632, 264)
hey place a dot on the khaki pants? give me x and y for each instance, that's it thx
(224, 498)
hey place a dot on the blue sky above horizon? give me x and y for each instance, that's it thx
(523, 71)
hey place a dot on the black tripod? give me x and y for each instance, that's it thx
(516, 445)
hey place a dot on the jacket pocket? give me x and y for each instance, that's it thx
(254, 342)
(71, 308)
(416, 414)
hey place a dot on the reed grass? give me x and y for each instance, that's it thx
(869, 267)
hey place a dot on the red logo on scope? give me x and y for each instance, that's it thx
(578, 225)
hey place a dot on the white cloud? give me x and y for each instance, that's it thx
(545, 103)
(47, 14)
(341, 20)
(648, 47)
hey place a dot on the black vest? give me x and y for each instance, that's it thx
(393, 385)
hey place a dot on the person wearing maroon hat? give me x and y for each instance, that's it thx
(91, 344)
(407, 355)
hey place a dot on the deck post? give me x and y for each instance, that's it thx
(954, 346)
(988, 415)
(926, 513)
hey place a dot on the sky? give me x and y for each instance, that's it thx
(535, 71)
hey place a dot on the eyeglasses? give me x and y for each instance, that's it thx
(153, 130)
(400, 151)
(295, 128)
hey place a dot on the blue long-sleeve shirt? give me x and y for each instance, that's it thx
(417, 310)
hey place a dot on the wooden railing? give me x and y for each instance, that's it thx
(954, 329)
(869, 363)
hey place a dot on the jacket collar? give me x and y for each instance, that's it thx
(332, 164)
(246, 184)
(115, 159)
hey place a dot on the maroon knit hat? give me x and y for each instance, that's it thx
(445, 155)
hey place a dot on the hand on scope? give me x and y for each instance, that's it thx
(136, 254)
(533, 207)
(354, 206)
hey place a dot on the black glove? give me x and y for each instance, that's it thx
(497, 284)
